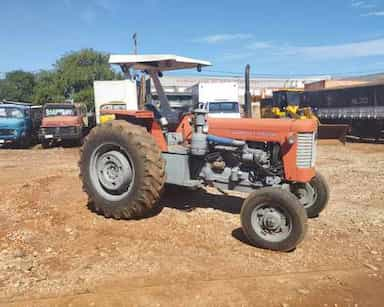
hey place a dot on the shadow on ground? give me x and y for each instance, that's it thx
(188, 200)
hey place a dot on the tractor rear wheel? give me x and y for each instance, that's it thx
(122, 170)
(273, 218)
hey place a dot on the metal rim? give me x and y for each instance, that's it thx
(271, 223)
(111, 171)
(306, 194)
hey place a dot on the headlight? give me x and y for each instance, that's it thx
(14, 132)
(292, 139)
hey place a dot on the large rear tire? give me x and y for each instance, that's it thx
(313, 195)
(122, 170)
(273, 218)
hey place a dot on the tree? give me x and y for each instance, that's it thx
(47, 89)
(76, 71)
(71, 78)
(18, 85)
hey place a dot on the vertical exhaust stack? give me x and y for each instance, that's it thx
(247, 93)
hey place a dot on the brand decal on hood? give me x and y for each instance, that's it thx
(252, 132)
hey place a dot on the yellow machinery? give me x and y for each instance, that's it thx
(105, 110)
(287, 103)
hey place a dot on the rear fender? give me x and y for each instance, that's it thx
(144, 119)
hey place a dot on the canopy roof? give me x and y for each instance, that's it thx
(157, 62)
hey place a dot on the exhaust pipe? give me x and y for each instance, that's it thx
(247, 93)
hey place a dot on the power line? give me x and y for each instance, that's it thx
(348, 73)
(240, 74)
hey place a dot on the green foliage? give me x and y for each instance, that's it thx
(76, 72)
(46, 89)
(71, 78)
(18, 85)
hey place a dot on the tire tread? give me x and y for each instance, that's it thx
(149, 189)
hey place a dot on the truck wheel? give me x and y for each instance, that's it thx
(273, 218)
(122, 170)
(24, 143)
(45, 144)
(313, 195)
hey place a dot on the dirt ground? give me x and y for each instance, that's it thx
(55, 252)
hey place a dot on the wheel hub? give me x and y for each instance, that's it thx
(114, 171)
(306, 195)
(271, 223)
(271, 220)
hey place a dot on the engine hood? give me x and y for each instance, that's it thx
(61, 121)
(249, 129)
(11, 123)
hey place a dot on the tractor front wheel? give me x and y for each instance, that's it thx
(122, 170)
(273, 218)
(313, 195)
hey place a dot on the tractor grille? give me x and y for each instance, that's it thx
(5, 132)
(67, 130)
(49, 130)
(306, 150)
(59, 130)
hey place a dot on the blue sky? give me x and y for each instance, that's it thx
(275, 37)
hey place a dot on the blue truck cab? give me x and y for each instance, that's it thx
(19, 123)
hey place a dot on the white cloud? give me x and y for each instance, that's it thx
(362, 4)
(373, 47)
(376, 13)
(236, 56)
(95, 9)
(260, 45)
(106, 5)
(357, 3)
(349, 50)
(220, 38)
(314, 53)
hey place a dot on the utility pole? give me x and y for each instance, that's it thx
(247, 93)
(134, 37)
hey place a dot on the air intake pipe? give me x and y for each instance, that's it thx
(199, 144)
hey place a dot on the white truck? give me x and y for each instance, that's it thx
(114, 95)
(220, 99)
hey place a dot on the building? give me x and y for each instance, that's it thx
(259, 87)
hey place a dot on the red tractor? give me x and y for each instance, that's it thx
(125, 163)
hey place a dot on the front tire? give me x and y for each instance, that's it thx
(122, 170)
(273, 218)
(46, 144)
(313, 195)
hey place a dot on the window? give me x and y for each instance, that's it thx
(293, 99)
(113, 107)
(223, 107)
(11, 112)
(59, 111)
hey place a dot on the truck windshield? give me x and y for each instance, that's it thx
(293, 99)
(113, 107)
(59, 112)
(11, 112)
(223, 107)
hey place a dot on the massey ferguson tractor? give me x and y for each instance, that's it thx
(126, 163)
